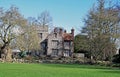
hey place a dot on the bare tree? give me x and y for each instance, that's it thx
(45, 18)
(28, 39)
(9, 20)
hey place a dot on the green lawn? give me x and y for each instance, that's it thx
(55, 70)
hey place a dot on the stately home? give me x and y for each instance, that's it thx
(60, 43)
(57, 43)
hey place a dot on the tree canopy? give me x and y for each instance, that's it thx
(102, 27)
(9, 20)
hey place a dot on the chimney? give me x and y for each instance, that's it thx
(65, 31)
(72, 32)
(119, 52)
(55, 30)
(60, 31)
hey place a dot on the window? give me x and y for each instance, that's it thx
(67, 53)
(55, 52)
(67, 45)
(54, 43)
(43, 45)
(40, 35)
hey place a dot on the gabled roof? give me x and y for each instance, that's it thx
(67, 36)
(62, 34)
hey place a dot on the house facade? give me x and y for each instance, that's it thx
(43, 33)
(57, 43)
(60, 43)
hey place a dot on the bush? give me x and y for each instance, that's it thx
(104, 63)
(116, 58)
(115, 65)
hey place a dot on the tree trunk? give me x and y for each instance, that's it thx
(8, 54)
(5, 53)
(0, 53)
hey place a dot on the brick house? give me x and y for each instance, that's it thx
(57, 43)
(60, 43)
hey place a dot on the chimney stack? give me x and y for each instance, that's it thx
(55, 30)
(60, 32)
(65, 31)
(119, 52)
(72, 32)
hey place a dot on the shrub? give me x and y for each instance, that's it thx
(116, 58)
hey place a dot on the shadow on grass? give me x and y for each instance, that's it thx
(111, 71)
(80, 66)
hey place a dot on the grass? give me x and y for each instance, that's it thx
(55, 70)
